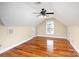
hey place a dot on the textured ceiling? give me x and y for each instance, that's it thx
(21, 13)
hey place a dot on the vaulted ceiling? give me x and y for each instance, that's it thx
(21, 13)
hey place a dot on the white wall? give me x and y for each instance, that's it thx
(10, 36)
(73, 36)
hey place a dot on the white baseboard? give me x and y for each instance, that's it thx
(77, 50)
(51, 36)
(8, 48)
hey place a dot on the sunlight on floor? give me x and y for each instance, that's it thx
(50, 45)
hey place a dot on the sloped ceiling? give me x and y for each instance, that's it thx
(21, 13)
(67, 12)
(17, 14)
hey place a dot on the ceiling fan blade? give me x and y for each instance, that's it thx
(50, 13)
(35, 13)
(38, 15)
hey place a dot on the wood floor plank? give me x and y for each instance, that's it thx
(43, 47)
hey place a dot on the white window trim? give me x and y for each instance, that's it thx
(52, 27)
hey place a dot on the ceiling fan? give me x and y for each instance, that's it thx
(44, 12)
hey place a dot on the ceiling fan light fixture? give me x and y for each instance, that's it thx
(43, 16)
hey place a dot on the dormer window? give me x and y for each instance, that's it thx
(50, 27)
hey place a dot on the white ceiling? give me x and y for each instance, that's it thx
(21, 13)
(67, 12)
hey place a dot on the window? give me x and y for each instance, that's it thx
(49, 27)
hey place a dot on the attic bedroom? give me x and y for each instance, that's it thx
(39, 29)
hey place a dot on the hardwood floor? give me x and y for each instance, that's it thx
(42, 47)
